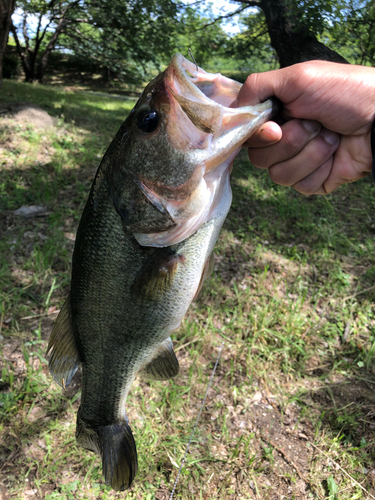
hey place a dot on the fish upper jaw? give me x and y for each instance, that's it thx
(209, 134)
(194, 83)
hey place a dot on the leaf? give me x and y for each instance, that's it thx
(332, 487)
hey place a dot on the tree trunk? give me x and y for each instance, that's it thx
(50, 47)
(292, 43)
(42, 66)
(6, 11)
(24, 56)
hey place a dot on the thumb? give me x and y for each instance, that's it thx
(269, 133)
(260, 86)
(256, 89)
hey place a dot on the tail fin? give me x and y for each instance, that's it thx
(115, 443)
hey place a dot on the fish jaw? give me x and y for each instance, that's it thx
(165, 180)
(194, 83)
(210, 135)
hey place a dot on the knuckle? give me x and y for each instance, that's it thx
(296, 135)
(251, 80)
(317, 152)
(291, 134)
(320, 150)
(316, 156)
(305, 70)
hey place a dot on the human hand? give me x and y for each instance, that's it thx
(325, 141)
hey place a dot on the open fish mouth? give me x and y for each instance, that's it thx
(209, 133)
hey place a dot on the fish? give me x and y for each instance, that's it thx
(144, 248)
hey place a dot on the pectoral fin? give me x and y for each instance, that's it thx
(165, 365)
(207, 271)
(156, 276)
(64, 358)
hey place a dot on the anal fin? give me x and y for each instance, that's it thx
(164, 365)
(64, 358)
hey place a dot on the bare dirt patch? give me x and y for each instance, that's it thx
(27, 113)
(291, 407)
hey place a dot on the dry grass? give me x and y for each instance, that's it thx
(292, 402)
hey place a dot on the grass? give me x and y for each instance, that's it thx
(292, 401)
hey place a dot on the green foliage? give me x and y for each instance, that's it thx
(198, 32)
(130, 41)
(332, 488)
(353, 30)
(126, 39)
(311, 15)
(252, 46)
(346, 27)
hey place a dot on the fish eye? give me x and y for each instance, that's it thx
(148, 121)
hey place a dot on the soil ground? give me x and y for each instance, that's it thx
(291, 410)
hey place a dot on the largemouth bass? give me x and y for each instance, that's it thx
(143, 248)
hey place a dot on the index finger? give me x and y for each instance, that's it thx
(258, 87)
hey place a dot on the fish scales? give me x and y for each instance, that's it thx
(144, 247)
(127, 336)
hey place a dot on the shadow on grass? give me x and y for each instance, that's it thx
(92, 112)
(42, 185)
(340, 390)
(332, 234)
(290, 284)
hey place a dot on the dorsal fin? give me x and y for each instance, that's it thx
(164, 365)
(64, 358)
(156, 276)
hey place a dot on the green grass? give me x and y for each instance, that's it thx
(291, 297)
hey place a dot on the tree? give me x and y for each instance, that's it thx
(52, 18)
(6, 11)
(128, 38)
(292, 27)
(253, 45)
(353, 31)
(122, 36)
(199, 32)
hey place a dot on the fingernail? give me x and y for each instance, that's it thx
(311, 126)
(267, 136)
(330, 137)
